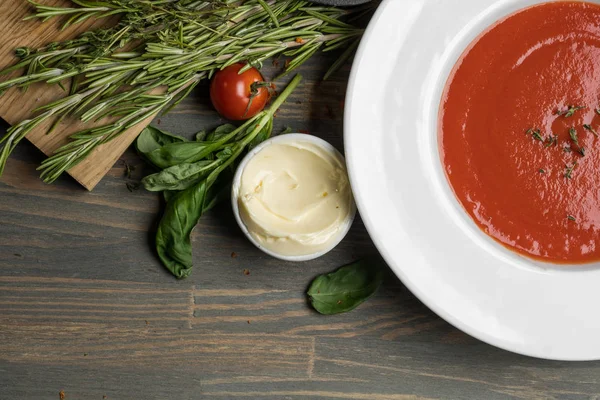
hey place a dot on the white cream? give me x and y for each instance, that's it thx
(294, 197)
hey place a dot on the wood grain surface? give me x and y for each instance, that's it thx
(17, 105)
(86, 308)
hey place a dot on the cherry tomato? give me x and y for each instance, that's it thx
(239, 96)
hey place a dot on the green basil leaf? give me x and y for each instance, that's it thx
(180, 152)
(179, 177)
(345, 289)
(152, 138)
(219, 192)
(169, 194)
(221, 131)
(225, 153)
(173, 238)
(184, 209)
(201, 136)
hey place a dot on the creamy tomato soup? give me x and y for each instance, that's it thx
(518, 131)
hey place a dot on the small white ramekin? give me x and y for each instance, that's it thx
(287, 138)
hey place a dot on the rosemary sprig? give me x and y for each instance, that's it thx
(575, 140)
(570, 111)
(87, 10)
(569, 170)
(167, 44)
(573, 136)
(536, 134)
(590, 129)
(17, 132)
(552, 140)
(83, 143)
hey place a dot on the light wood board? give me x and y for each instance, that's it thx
(17, 105)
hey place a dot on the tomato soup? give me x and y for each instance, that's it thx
(518, 132)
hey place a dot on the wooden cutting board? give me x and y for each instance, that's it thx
(16, 105)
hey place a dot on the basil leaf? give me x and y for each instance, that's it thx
(200, 136)
(225, 153)
(221, 131)
(173, 238)
(345, 289)
(169, 194)
(152, 138)
(184, 209)
(179, 177)
(218, 133)
(180, 152)
(219, 192)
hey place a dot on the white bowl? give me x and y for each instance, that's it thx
(287, 138)
(399, 73)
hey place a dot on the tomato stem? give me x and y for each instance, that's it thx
(255, 91)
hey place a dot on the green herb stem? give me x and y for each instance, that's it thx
(82, 143)
(569, 170)
(573, 136)
(570, 111)
(589, 128)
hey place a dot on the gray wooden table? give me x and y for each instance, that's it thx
(86, 308)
